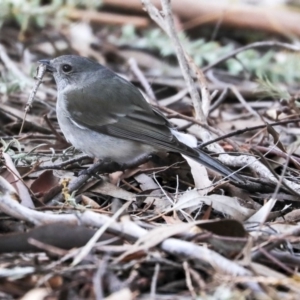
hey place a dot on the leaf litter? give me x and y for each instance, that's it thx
(165, 229)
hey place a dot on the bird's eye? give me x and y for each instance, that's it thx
(66, 68)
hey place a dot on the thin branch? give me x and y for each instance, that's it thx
(244, 102)
(63, 164)
(241, 131)
(41, 70)
(154, 281)
(143, 80)
(188, 280)
(220, 99)
(91, 243)
(251, 46)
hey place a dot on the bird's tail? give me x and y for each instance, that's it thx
(186, 144)
(212, 163)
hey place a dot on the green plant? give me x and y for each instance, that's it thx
(278, 66)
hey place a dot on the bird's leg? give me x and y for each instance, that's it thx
(109, 166)
(102, 166)
(137, 162)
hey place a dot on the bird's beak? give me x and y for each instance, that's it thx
(47, 63)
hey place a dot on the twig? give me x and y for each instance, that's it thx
(216, 28)
(293, 187)
(174, 113)
(137, 190)
(280, 180)
(243, 101)
(90, 244)
(173, 99)
(154, 281)
(295, 160)
(63, 164)
(220, 99)
(241, 131)
(251, 46)
(39, 76)
(276, 261)
(46, 247)
(188, 280)
(185, 127)
(205, 95)
(214, 94)
(197, 278)
(58, 136)
(98, 279)
(140, 76)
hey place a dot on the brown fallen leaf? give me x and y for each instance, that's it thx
(44, 183)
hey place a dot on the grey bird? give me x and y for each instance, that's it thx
(107, 117)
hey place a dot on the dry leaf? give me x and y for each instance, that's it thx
(200, 176)
(261, 215)
(13, 176)
(224, 204)
(124, 294)
(87, 201)
(106, 188)
(36, 294)
(45, 182)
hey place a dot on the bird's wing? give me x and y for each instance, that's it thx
(116, 107)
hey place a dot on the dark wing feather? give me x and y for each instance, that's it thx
(116, 107)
